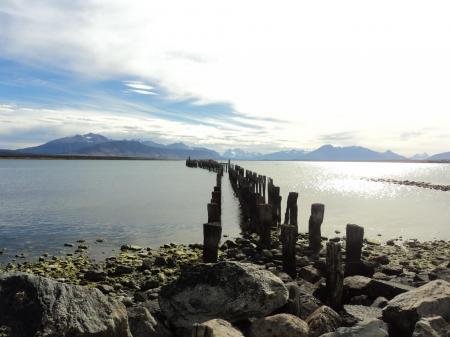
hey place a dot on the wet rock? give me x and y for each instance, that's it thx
(229, 290)
(431, 299)
(372, 328)
(143, 324)
(308, 304)
(36, 306)
(323, 320)
(95, 275)
(432, 327)
(215, 328)
(150, 283)
(132, 248)
(281, 325)
(362, 313)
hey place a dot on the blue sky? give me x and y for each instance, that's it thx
(262, 76)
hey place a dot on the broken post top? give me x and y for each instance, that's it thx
(317, 212)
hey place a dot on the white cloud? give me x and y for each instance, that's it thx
(380, 68)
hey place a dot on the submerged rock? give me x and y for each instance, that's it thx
(431, 299)
(36, 306)
(229, 290)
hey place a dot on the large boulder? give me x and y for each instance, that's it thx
(229, 290)
(404, 310)
(371, 328)
(323, 320)
(281, 325)
(215, 328)
(36, 306)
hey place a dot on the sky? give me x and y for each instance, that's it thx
(256, 75)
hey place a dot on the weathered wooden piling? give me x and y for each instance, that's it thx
(213, 213)
(288, 240)
(212, 232)
(315, 222)
(335, 275)
(216, 198)
(354, 243)
(291, 215)
(265, 224)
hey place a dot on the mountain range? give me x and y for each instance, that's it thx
(92, 144)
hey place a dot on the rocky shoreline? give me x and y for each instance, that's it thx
(139, 278)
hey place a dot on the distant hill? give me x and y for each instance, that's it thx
(92, 144)
(326, 152)
(97, 145)
(285, 155)
(66, 145)
(440, 156)
(350, 153)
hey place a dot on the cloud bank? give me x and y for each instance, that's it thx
(379, 69)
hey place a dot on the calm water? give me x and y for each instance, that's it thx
(382, 208)
(44, 204)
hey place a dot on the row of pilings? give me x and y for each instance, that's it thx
(212, 230)
(264, 219)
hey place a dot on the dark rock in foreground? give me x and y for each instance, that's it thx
(36, 306)
(228, 290)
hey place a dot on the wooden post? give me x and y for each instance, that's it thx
(291, 215)
(213, 213)
(354, 242)
(212, 232)
(335, 275)
(217, 198)
(265, 224)
(315, 221)
(288, 240)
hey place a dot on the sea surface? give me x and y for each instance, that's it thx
(46, 203)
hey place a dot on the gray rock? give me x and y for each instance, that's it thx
(36, 306)
(308, 304)
(362, 313)
(372, 328)
(323, 320)
(361, 285)
(229, 290)
(215, 328)
(281, 325)
(143, 324)
(431, 299)
(432, 327)
(442, 273)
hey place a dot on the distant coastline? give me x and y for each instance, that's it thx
(30, 156)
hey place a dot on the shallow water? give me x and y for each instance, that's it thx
(46, 203)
